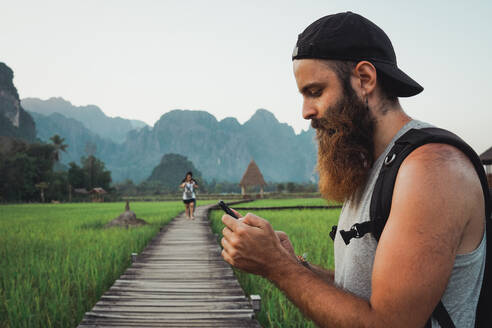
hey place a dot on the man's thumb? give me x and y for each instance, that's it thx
(254, 221)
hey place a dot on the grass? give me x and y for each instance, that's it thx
(57, 260)
(288, 202)
(309, 232)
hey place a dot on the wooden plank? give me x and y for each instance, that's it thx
(224, 314)
(122, 297)
(211, 290)
(229, 307)
(183, 282)
(100, 322)
(173, 276)
(173, 303)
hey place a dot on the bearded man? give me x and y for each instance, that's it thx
(432, 247)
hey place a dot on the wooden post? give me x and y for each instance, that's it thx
(243, 191)
(134, 257)
(261, 191)
(255, 301)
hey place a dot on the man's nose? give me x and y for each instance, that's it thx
(308, 111)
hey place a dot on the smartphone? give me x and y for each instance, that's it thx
(226, 209)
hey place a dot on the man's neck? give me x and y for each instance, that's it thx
(386, 127)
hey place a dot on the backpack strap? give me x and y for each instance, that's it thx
(442, 316)
(381, 205)
(414, 138)
(383, 190)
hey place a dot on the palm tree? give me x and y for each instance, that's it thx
(59, 146)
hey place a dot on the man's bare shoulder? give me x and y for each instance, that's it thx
(446, 177)
(440, 154)
(442, 165)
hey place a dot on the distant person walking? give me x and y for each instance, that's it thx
(189, 198)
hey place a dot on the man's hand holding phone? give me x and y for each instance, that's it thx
(251, 244)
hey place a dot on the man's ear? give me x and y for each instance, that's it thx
(366, 73)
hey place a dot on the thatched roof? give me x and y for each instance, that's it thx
(81, 191)
(98, 190)
(252, 176)
(486, 157)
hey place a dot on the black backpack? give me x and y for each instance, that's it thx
(381, 206)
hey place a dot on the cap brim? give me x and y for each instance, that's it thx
(397, 82)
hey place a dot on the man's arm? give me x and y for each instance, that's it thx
(413, 262)
(325, 274)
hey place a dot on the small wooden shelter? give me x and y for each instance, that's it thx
(252, 177)
(97, 194)
(486, 159)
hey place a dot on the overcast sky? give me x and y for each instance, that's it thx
(140, 59)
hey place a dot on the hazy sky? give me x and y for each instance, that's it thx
(140, 59)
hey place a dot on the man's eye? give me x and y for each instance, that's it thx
(315, 92)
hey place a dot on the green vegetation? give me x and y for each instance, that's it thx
(57, 260)
(22, 167)
(91, 174)
(309, 232)
(27, 172)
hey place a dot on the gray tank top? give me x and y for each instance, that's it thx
(353, 262)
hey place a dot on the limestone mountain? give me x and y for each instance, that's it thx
(221, 150)
(91, 116)
(80, 140)
(14, 120)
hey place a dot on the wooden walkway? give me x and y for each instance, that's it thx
(179, 280)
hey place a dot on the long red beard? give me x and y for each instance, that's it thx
(345, 148)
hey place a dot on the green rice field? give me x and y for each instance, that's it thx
(309, 232)
(57, 260)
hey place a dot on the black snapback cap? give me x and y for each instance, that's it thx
(351, 37)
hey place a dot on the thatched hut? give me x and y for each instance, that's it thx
(252, 178)
(97, 194)
(486, 159)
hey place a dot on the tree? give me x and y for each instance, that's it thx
(291, 186)
(58, 186)
(280, 187)
(96, 172)
(76, 176)
(42, 186)
(59, 146)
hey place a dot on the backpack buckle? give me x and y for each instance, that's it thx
(358, 230)
(333, 232)
(354, 232)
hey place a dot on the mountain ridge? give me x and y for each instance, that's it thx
(91, 116)
(14, 120)
(221, 150)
